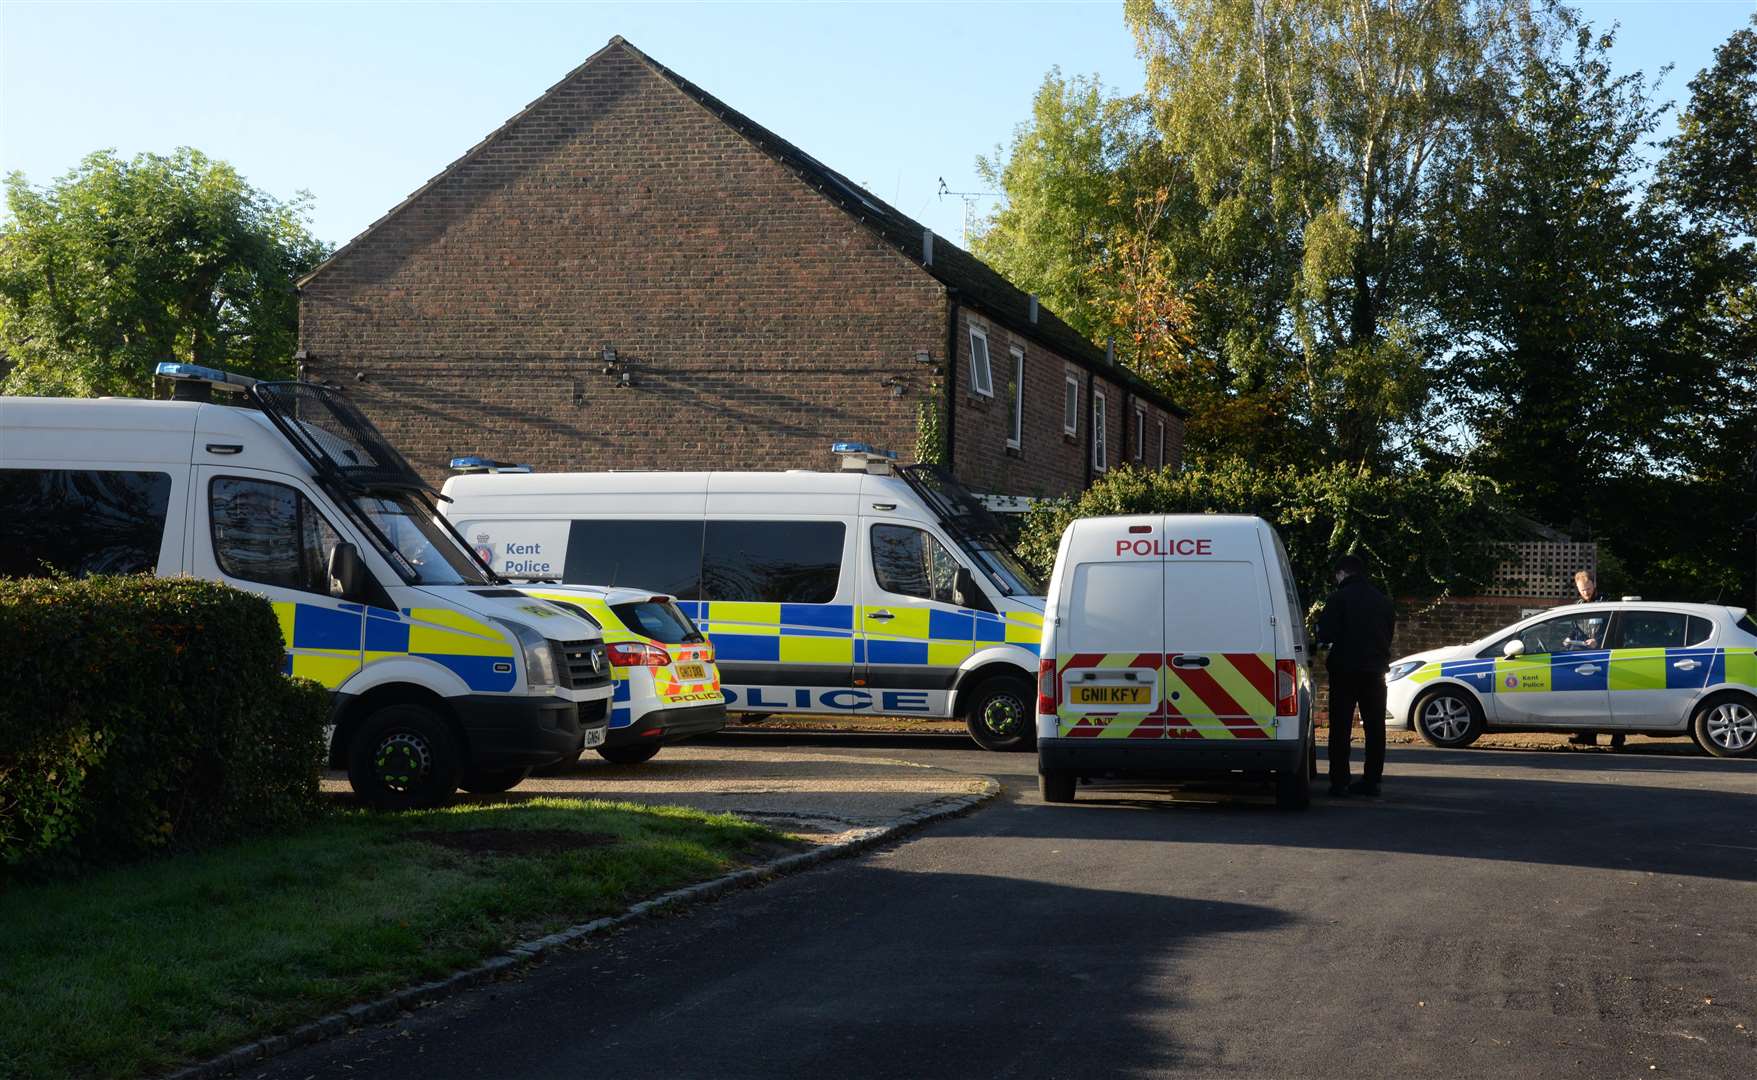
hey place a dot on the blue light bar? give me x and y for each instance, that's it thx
(474, 463)
(862, 448)
(171, 369)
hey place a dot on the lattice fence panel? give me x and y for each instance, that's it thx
(1541, 568)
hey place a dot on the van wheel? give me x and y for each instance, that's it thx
(630, 754)
(1057, 787)
(403, 758)
(1448, 718)
(1293, 787)
(1726, 726)
(491, 781)
(1000, 714)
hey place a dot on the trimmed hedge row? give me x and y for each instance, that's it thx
(138, 713)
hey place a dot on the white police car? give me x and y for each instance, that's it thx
(1632, 667)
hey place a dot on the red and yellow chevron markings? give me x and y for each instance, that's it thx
(1231, 697)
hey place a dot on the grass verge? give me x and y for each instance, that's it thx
(141, 968)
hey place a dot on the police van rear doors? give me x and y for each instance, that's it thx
(1110, 644)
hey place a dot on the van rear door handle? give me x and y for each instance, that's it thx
(1686, 665)
(1189, 661)
(881, 615)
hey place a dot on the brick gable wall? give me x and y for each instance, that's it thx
(759, 322)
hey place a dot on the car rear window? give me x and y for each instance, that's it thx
(659, 620)
(1748, 625)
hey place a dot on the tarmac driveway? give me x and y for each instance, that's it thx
(1501, 913)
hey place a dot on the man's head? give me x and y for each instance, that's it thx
(1348, 566)
(1587, 583)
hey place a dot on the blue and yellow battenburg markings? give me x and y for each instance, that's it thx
(330, 644)
(1618, 669)
(848, 634)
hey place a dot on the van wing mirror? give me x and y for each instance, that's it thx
(966, 593)
(347, 572)
(1514, 648)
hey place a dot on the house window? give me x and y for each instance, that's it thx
(1140, 434)
(1016, 401)
(1070, 405)
(981, 375)
(1100, 442)
(1161, 424)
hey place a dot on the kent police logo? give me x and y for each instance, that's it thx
(484, 550)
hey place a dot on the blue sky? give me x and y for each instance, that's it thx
(361, 103)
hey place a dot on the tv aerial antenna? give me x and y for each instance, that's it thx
(971, 198)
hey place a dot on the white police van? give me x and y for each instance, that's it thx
(1174, 647)
(443, 676)
(878, 589)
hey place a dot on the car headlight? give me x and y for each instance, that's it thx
(539, 657)
(1398, 671)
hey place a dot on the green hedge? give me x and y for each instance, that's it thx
(138, 713)
(1424, 534)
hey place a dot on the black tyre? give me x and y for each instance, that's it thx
(403, 758)
(1448, 718)
(630, 753)
(1726, 725)
(1000, 713)
(491, 781)
(1057, 787)
(1293, 787)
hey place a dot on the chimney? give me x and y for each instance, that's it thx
(1110, 350)
(927, 247)
(1033, 309)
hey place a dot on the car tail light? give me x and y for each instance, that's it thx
(705, 652)
(638, 654)
(1047, 689)
(1286, 688)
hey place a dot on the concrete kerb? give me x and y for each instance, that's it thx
(414, 997)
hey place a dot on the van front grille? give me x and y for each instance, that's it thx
(583, 664)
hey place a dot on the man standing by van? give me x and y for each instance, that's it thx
(1356, 626)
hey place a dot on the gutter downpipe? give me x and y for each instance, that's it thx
(951, 378)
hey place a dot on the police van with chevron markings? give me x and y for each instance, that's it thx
(1628, 667)
(1174, 647)
(880, 588)
(443, 675)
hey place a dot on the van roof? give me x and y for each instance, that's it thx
(157, 431)
(599, 483)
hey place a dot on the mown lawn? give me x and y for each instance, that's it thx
(138, 969)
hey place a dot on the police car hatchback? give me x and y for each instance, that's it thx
(1631, 667)
(667, 687)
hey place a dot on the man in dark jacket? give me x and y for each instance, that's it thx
(1356, 624)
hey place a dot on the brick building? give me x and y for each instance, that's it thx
(629, 274)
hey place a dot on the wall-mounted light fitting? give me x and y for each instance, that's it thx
(897, 385)
(924, 358)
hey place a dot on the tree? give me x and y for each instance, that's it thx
(1310, 128)
(119, 265)
(1711, 164)
(1547, 268)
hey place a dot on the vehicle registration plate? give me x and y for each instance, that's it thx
(1111, 695)
(691, 671)
(595, 736)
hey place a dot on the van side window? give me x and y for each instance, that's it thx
(664, 556)
(270, 534)
(910, 562)
(787, 562)
(81, 521)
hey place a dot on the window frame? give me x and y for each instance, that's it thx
(1100, 431)
(213, 538)
(1161, 423)
(1070, 408)
(1016, 430)
(1140, 434)
(981, 378)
